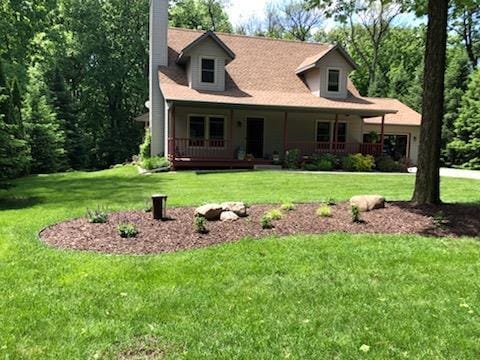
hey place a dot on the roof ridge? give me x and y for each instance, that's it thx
(253, 37)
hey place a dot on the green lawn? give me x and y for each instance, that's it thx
(297, 297)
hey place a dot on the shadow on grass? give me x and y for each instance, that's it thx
(448, 219)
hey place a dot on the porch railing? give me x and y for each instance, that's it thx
(200, 148)
(315, 147)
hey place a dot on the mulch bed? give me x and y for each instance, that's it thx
(179, 234)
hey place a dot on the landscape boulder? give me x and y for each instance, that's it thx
(211, 212)
(239, 208)
(229, 216)
(368, 202)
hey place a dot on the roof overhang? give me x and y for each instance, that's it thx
(316, 60)
(185, 53)
(364, 113)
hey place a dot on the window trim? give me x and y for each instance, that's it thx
(201, 58)
(207, 130)
(340, 73)
(332, 130)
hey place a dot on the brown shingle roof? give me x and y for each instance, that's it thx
(312, 61)
(262, 74)
(404, 115)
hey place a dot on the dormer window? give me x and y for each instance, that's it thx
(333, 80)
(208, 70)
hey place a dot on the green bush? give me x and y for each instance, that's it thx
(292, 159)
(355, 213)
(287, 206)
(98, 216)
(275, 214)
(127, 231)
(154, 162)
(385, 163)
(324, 211)
(319, 165)
(266, 221)
(358, 162)
(200, 225)
(146, 146)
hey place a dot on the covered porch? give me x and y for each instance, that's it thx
(242, 137)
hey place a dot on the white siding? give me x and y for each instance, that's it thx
(207, 49)
(312, 78)
(337, 61)
(413, 133)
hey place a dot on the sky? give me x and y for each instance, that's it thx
(240, 11)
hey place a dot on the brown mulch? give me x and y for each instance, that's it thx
(178, 233)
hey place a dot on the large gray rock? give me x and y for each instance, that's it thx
(211, 212)
(368, 202)
(238, 208)
(229, 216)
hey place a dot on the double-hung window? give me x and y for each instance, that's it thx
(208, 70)
(333, 80)
(206, 131)
(323, 131)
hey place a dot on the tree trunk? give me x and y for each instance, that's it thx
(427, 186)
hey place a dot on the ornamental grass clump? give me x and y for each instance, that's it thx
(266, 221)
(288, 206)
(127, 230)
(97, 216)
(324, 211)
(199, 222)
(275, 214)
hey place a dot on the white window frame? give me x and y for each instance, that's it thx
(214, 83)
(207, 130)
(332, 129)
(340, 74)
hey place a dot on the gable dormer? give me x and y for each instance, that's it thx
(326, 74)
(205, 60)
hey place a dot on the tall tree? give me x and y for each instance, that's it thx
(465, 147)
(46, 139)
(14, 151)
(299, 20)
(427, 185)
(200, 14)
(465, 21)
(372, 17)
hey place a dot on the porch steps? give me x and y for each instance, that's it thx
(267, 167)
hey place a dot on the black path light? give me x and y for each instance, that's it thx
(159, 206)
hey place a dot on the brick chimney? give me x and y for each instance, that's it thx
(158, 50)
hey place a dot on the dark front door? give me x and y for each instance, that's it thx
(255, 137)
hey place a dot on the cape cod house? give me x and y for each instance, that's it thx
(229, 100)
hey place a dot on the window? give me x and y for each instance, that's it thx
(208, 71)
(323, 131)
(204, 130)
(333, 80)
(342, 132)
(216, 131)
(196, 129)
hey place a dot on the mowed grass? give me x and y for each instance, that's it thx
(298, 297)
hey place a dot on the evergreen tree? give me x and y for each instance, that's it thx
(45, 136)
(465, 147)
(75, 149)
(14, 152)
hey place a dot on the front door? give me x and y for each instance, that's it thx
(255, 137)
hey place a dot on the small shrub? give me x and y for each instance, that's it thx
(331, 201)
(319, 165)
(98, 216)
(358, 162)
(386, 163)
(275, 214)
(154, 162)
(292, 159)
(287, 206)
(145, 147)
(266, 221)
(200, 225)
(324, 211)
(355, 213)
(127, 230)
